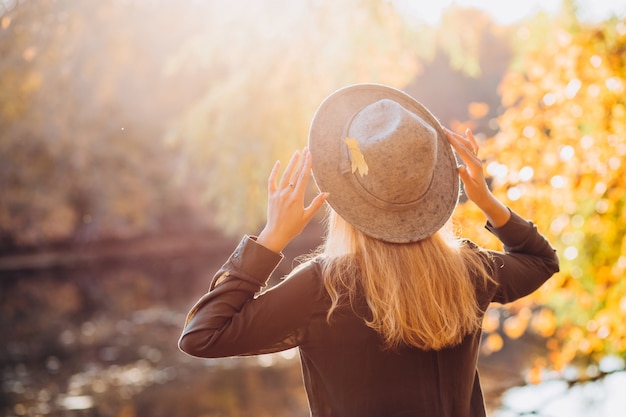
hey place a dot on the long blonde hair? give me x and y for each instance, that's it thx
(420, 294)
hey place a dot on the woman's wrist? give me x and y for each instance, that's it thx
(269, 240)
(497, 213)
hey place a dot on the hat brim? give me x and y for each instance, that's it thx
(326, 136)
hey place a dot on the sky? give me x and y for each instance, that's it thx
(506, 12)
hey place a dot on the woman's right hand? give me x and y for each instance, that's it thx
(473, 177)
(286, 214)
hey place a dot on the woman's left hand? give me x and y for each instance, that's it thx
(286, 214)
(473, 178)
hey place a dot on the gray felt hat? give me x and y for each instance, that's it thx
(385, 161)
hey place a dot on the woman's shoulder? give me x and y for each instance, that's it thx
(311, 265)
(307, 272)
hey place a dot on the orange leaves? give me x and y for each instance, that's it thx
(5, 22)
(491, 321)
(544, 322)
(493, 343)
(534, 375)
(515, 326)
(510, 88)
(478, 110)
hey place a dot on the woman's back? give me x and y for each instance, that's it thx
(349, 372)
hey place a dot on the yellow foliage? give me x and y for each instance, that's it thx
(514, 327)
(558, 160)
(491, 321)
(544, 322)
(493, 343)
(535, 374)
(478, 110)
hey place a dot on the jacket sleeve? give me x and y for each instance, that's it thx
(232, 320)
(527, 262)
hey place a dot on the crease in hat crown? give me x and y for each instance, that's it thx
(412, 185)
(400, 149)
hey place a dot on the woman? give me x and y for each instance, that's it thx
(387, 316)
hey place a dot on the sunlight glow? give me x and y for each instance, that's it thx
(505, 12)
(614, 84)
(571, 253)
(600, 188)
(526, 173)
(77, 402)
(266, 360)
(596, 61)
(529, 132)
(497, 170)
(566, 153)
(514, 193)
(558, 181)
(602, 206)
(572, 88)
(615, 163)
(549, 99)
(586, 142)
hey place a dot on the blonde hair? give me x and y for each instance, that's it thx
(420, 294)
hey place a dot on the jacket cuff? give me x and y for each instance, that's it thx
(251, 262)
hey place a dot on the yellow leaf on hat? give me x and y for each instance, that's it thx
(357, 158)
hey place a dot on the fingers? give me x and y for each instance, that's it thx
(286, 212)
(464, 145)
(271, 182)
(286, 179)
(297, 173)
(315, 205)
(296, 177)
(301, 177)
(473, 143)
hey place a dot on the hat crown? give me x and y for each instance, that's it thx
(400, 150)
(385, 161)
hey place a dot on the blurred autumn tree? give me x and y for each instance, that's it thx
(559, 159)
(83, 104)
